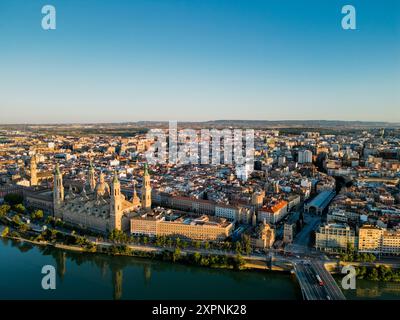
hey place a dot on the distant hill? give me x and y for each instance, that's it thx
(334, 124)
(280, 124)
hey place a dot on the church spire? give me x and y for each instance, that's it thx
(146, 169)
(115, 180)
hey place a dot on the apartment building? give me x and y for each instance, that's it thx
(370, 239)
(335, 237)
(274, 212)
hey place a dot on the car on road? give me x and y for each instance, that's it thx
(320, 282)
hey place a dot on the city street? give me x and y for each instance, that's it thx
(306, 272)
(311, 223)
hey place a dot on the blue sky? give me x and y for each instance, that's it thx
(111, 61)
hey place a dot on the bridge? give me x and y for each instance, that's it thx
(306, 273)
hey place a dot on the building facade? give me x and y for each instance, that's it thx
(335, 237)
(203, 228)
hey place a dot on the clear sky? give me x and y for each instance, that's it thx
(111, 61)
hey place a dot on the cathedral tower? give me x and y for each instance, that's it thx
(58, 192)
(146, 189)
(116, 205)
(135, 199)
(33, 179)
(91, 177)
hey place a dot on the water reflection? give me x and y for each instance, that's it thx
(118, 277)
(374, 289)
(102, 262)
(117, 283)
(368, 289)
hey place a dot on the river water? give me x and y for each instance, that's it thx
(98, 276)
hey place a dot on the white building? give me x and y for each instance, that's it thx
(305, 156)
(227, 212)
(335, 237)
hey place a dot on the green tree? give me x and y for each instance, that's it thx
(169, 242)
(49, 220)
(118, 236)
(350, 248)
(238, 261)
(16, 219)
(37, 215)
(176, 254)
(372, 257)
(385, 273)
(19, 208)
(23, 227)
(53, 235)
(238, 248)
(158, 241)
(247, 244)
(228, 246)
(207, 245)
(197, 257)
(373, 275)
(5, 232)
(4, 209)
(361, 272)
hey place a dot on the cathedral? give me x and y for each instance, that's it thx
(99, 206)
(34, 176)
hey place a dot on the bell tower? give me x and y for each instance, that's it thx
(115, 205)
(58, 192)
(91, 177)
(33, 179)
(146, 189)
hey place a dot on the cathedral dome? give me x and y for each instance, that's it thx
(102, 188)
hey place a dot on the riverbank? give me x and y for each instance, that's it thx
(379, 271)
(172, 255)
(54, 232)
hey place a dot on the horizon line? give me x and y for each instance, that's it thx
(199, 121)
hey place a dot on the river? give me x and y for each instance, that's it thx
(98, 276)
